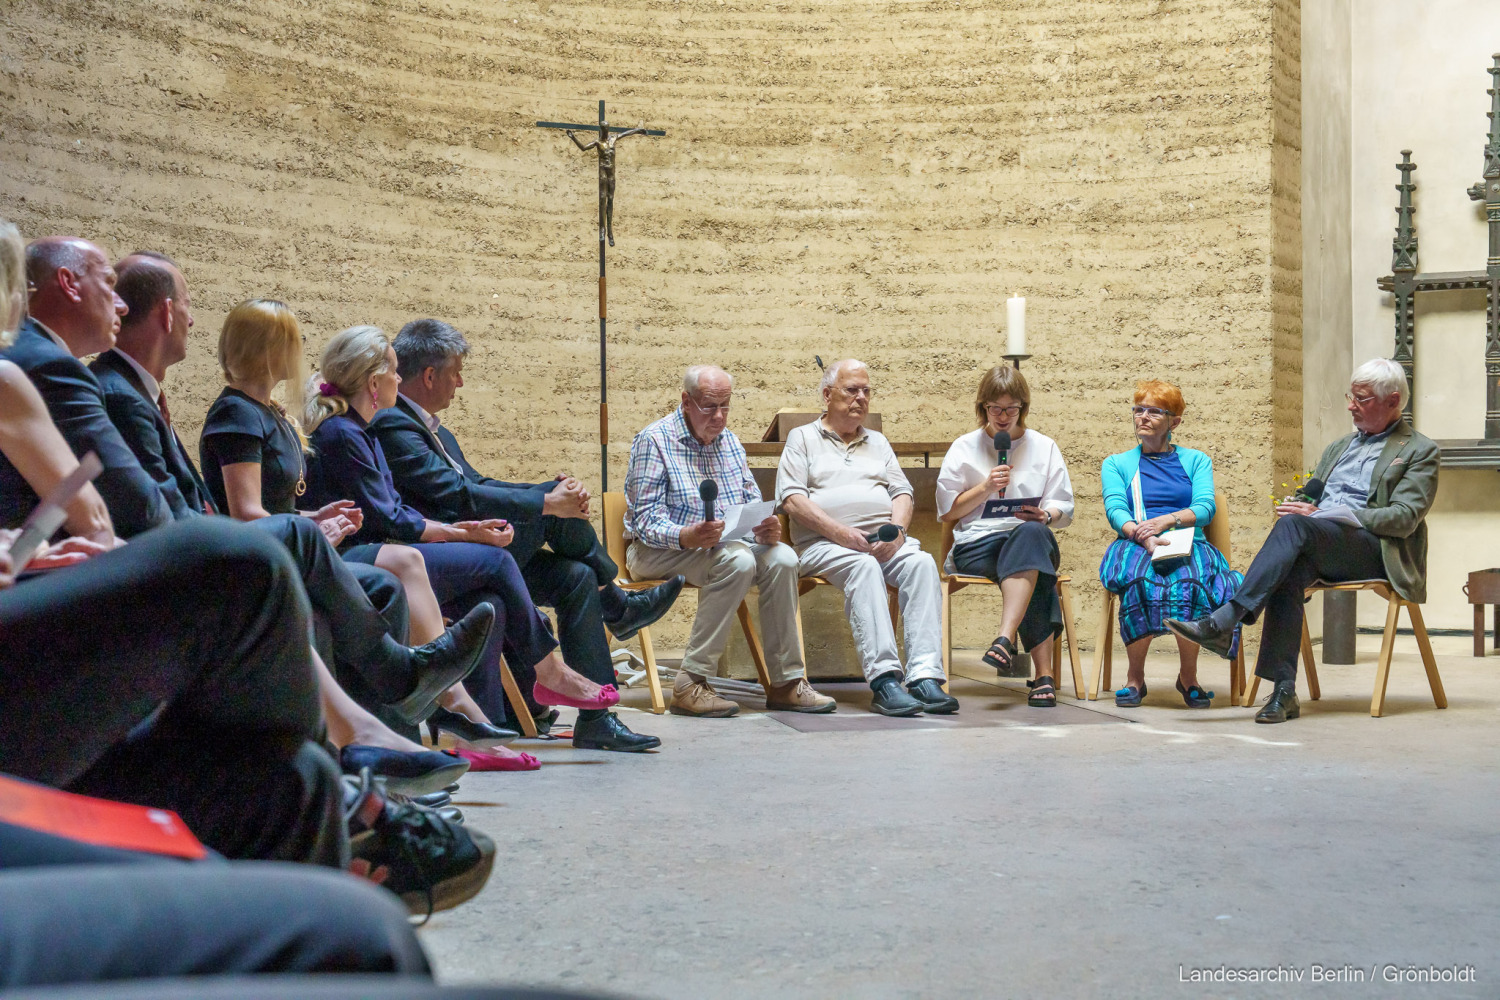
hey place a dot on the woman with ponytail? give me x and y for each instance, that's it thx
(466, 561)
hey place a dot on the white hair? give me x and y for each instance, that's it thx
(693, 378)
(1383, 376)
(831, 373)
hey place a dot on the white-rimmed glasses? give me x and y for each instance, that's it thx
(1150, 411)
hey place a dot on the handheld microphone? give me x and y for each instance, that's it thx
(1313, 489)
(708, 490)
(1002, 450)
(887, 533)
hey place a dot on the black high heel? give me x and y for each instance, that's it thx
(475, 734)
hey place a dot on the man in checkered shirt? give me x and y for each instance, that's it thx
(668, 536)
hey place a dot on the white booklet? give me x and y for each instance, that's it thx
(1339, 515)
(740, 519)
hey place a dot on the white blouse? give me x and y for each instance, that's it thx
(1036, 469)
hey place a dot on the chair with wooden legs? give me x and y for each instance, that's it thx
(954, 582)
(614, 543)
(1394, 604)
(1217, 535)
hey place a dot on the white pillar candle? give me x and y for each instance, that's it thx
(1015, 325)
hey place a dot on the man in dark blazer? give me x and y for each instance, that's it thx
(72, 283)
(1364, 518)
(573, 574)
(74, 312)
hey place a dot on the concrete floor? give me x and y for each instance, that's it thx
(1084, 851)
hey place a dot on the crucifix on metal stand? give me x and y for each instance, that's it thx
(604, 147)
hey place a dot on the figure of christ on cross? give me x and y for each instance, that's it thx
(606, 148)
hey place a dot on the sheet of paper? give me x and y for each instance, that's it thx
(740, 520)
(1341, 515)
(1007, 506)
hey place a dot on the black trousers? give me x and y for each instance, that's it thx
(74, 922)
(174, 672)
(570, 537)
(341, 593)
(1299, 551)
(1030, 545)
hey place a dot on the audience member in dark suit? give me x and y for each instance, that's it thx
(75, 312)
(405, 679)
(358, 377)
(576, 576)
(1384, 476)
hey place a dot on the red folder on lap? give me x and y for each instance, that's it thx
(97, 821)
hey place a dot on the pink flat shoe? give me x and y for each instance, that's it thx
(608, 697)
(479, 760)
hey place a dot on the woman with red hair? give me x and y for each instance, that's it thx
(1151, 489)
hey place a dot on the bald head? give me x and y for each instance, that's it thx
(73, 292)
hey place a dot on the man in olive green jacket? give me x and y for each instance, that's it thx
(1364, 519)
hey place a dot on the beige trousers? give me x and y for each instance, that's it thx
(724, 575)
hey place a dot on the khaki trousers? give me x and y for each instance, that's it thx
(723, 576)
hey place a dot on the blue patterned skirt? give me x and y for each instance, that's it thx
(1150, 593)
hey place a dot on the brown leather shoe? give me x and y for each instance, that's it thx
(798, 696)
(691, 696)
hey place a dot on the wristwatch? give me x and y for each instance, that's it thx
(1176, 521)
(1049, 515)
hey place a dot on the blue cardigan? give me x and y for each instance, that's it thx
(1118, 470)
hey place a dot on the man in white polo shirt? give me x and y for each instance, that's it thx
(840, 483)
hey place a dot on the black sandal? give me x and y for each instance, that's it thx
(1043, 694)
(1000, 655)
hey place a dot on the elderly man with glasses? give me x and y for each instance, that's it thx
(664, 519)
(841, 483)
(1364, 518)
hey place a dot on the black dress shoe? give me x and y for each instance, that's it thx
(1205, 633)
(433, 800)
(445, 661)
(544, 720)
(891, 698)
(408, 773)
(481, 735)
(935, 701)
(644, 607)
(1282, 704)
(608, 733)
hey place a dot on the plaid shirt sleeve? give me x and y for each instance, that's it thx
(646, 515)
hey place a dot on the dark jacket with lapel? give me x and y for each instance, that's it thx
(156, 445)
(76, 403)
(431, 484)
(1403, 486)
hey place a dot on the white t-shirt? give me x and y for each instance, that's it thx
(1036, 469)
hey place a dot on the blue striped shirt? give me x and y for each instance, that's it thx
(667, 464)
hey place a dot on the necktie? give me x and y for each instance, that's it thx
(161, 402)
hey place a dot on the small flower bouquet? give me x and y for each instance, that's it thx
(1298, 481)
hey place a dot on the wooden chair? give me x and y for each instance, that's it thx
(1394, 604)
(614, 542)
(954, 582)
(1217, 535)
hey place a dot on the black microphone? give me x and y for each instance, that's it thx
(1002, 450)
(887, 533)
(709, 491)
(1313, 489)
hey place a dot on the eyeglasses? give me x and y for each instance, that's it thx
(1150, 411)
(711, 408)
(1002, 411)
(859, 390)
(1361, 400)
